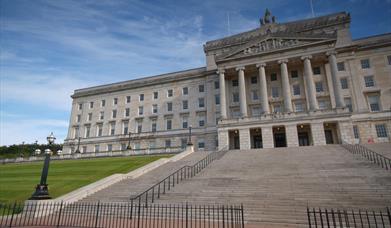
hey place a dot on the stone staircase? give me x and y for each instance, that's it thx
(276, 185)
(380, 148)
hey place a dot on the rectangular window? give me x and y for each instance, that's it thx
(141, 97)
(275, 92)
(153, 126)
(319, 87)
(373, 101)
(96, 148)
(183, 143)
(76, 132)
(294, 74)
(235, 83)
(99, 130)
(78, 118)
(273, 77)
(80, 106)
(254, 80)
(344, 83)
(89, 117)
(169, 124)
(381, 130)
(256, 111)
(201, 102)
(201, 121)
(139, 127)
(341, 66)
(277, 108)
(168, 143)
(184, 122)
(316, 70)
(101, 115)
(127, 112)
(169, 106)
(87, 131)
(170, 93)
(155, 95)
(84, 149)
(185, 104)
(201, 88)
(103, 103)
(123, 146)
(217, 99)
(365, 64)
(299, 107)
(114, 114)
(217, 85)
(140, 110)
(112, 128)
(154, 108)
(369, 81)
(389, 59)
(91, 104)
(125, 129)
(109, 147)
(356, 132)
(185, 91)
(128, 99)
(322, 105)
(348, 103)
(296, 90)
(137, 146)
(254, 95)
(201, 144)
(235, 97)
(115, 101)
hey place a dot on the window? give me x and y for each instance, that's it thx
(84, 149)
(169, 106)
(89, 117)
(76, 132)
(235, 97)
(109, 147)
(140, 110)
(183, 143)
(344, 83)
(201, 102)
(256, 111)
(141, 97)
(123, 146)
(316, 70)
(153, 126)
(101, 115)
(137, 146)
(299, 107)
(169, 124)
(381, 130)
(99, 130)
(201, 121)
(275, 92)
(201, 88)
(254, 95)
(139, 127)
(125, 128)
(273, 77)
(356, 132)
(254, 80)
(115, 101)
(112, 128)
(87, 131)
(184, 122)
(96, 148)
(185, 104)
(217, 99)
(170, 93)
(185, 91)
(103, 103)
(235, 83)
(78, 118)
(319, 87)
(128, 99)
(322, 105)
(114, 114)
(154, 108)
(217, 85)
(127, 112)
(80, 106)
(155, 95)
(341, 66)
(369, 81)
(389, 59)
(365, 64)
(277, 108)
(296, 90)
(373, 101)
(294, 74)
(91, 104)
(348, 103)
(168, 143)
(201, 144)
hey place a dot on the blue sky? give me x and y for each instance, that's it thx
(50, 48)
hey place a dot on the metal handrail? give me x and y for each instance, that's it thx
(371, 155)
(183, 173)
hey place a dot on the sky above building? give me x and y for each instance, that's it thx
(50, 48)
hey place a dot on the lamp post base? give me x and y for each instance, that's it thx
(41, 192)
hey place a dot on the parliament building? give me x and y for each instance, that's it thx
(283, 84)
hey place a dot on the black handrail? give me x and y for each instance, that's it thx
(374, 157)
(185, 172)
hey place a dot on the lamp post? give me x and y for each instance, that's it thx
(129, 147)
(78, 145)
(189, 141)
(41, 190)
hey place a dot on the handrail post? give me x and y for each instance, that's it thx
(59, 215)
(97, 215)
(12, 215)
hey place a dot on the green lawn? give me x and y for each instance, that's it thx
(17, 181)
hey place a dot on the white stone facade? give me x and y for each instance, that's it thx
(290, 84)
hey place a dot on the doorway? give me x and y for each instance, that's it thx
(256, 138)
(304, 134)
(279, 136)
(234, 141)
(330, 133)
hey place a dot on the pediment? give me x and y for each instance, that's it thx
(271, 44)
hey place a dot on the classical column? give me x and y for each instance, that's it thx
(339, 102)
(309, 81)
(242, 92)
(286, 89)
(223, 104)
(262, 81)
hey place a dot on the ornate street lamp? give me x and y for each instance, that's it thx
(189, 141)
(78, 146)
(129, 147)
(41, 190)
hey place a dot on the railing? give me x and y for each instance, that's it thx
(119, 215)
(184, 173)
(374, 157)
(344, 218)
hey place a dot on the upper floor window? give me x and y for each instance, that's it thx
(389, 59)
(319, 87)
(344, 83)
(127, 112)
(294, 74)
(296, 90)
(235, 83)
(153, 126)
(128, 99)
(139, 127)
(299, 107)
(169, 124)
(341, 66)
(154, 108)
(115, 101)
(201, 102)
(185, 122)
(185, 91)
(254, 80)
(155, 95)
(91, 104)
(140, 110)
(141, 97)
(201, 121)
(185, 104)
(217, 99)
(356, 132)
(316, 70)
(125, 128)
(348, 103)
(201, 88)
(235, 97)
(78, 118)
(217, 85)
(80, 106)
(369, 81)
(170, 93)
(273, 77)
(89, 117)
(254, 94)
(169, 106)
(114, 114)
(365, 64)
(99, 130)
(112, 128)
(322, 104)
(275, 92)
(101, 115)
(374, 102)
(102, 103)
(381, 130)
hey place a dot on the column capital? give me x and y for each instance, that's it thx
(306, 57)
(239, 68)
(261, 65)
(281, 61)
(220, 71)
(332, 52)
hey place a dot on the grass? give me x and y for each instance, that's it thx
(18, 181)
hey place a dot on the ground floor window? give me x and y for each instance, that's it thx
(201, 144)
(355, 132)
(381, 130)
